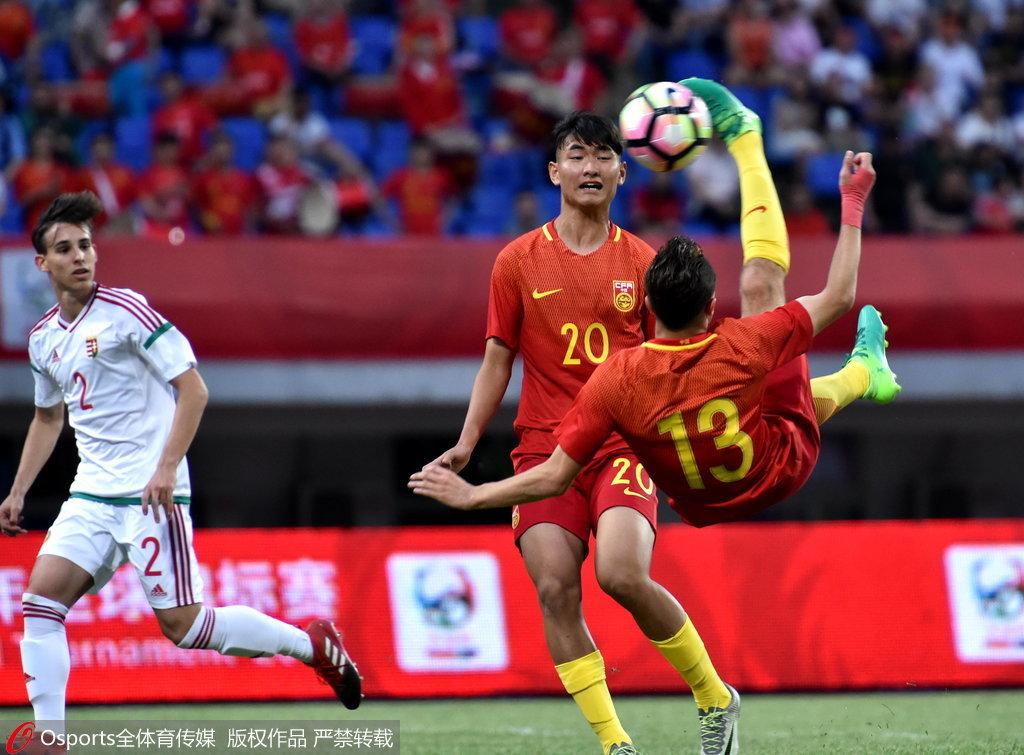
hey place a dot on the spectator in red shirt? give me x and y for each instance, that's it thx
(421, 191)
(750, 33)
(323, 42)
(528, 31)
(173, 19)
(112, 182)
(38, 180)
(802, 217)
(659, 207)
(258, 78)
(16, 29)
(425, 18)
(164, 188)
(282, 181)
(224, 196)
(184, 114)
(130, 39)
(607, 27)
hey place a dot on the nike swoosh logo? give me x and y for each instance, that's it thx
(760, 208)
(541, 294)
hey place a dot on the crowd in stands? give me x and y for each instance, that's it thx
(431, 116)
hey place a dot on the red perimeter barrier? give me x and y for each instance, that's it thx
(413, 298)
(450, 612)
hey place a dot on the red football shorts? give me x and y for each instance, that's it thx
(608, 481)
(788, 409)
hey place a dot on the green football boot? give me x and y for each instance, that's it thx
(869, 350)
(623, 748)
(730, 117)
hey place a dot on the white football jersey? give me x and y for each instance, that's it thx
(111, 366)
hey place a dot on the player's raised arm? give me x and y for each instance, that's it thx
(42, 437)
(188, 411)
(856, 177)
(488, 389)
(546, 480)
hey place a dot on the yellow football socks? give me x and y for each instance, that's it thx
(833, 392)
(762, 226)
(584, 679)
(685, 651)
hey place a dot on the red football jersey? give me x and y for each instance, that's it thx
(691, 409)
(566, 313)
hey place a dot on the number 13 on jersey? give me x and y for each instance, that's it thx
(730, 436)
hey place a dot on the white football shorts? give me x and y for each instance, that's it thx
(101, 537)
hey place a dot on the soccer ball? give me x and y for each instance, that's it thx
(665, 125)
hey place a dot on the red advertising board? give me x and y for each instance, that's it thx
(450, 611)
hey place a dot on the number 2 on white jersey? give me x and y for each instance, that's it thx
(78, 376)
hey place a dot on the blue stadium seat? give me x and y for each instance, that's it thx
(203, 64)
(279, 29)
(90, 129)
(686, 63)
(501, 169)
(549, 200)
(392, 149)
(354, 134)
(132, 140)
(823, 174)
(492, 204)
(250, 140)
(375, 40)
(12, 220)
(479, 34)
(55, 60)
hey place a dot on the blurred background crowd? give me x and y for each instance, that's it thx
(429, 117)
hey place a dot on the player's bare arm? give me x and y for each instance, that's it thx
(488, 390)
(39, 442)
(192, 398)
(552, 478)
(856, 177)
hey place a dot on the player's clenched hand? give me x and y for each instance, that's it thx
(443, 485)
(857, 175)
(10, 516)
(160, 492)
(455, 458)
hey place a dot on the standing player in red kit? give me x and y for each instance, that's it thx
(724, 419)
(569, 296)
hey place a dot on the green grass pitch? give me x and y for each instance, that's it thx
(859, 724)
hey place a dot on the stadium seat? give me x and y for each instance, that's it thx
(353, 134)
(279, 29)
(479, 34)
(375, 42)
(12, 220)
(392, 148)
(132, 141)
(492, 204)
(55, 61)
(501, 169)
(549, 200)
(203, 64)
(90, 129)
(249, 138)
(823, 174)
(686, 63)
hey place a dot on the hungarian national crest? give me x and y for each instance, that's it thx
(92, 346)
(624, 295)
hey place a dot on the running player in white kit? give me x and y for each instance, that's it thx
(128, 378)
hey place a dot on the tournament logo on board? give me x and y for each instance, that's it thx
(447, 611)
(624, 295)
(986, 596)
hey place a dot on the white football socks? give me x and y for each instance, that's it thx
(244, 631)
(45, 658)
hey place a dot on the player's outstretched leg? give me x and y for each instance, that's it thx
(866, 373)
(762, 225)
(720, 727)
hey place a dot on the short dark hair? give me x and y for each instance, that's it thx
(680, 282)
(588, 128)
(77, 209)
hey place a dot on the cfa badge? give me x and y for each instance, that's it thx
(624, 295)
(515, 517)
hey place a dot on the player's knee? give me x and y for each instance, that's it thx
(623, 586)
(559, 597)
(762, 285)
(175, 623)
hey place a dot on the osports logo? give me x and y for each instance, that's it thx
(20, 737)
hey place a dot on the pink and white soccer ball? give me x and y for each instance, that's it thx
(665, 125)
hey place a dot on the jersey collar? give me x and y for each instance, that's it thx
(680, 344)
(70, 326)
